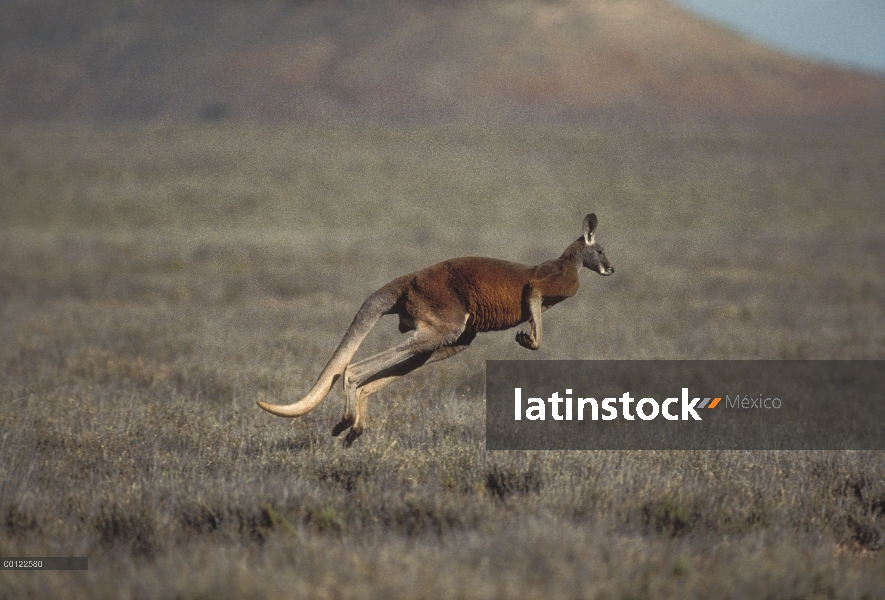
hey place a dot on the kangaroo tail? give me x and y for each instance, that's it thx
(375, 305)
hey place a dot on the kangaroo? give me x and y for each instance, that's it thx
(446, 305)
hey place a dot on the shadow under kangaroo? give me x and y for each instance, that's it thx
(446, 305)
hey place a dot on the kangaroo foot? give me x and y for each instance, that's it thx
(351, 436)
(346, 422)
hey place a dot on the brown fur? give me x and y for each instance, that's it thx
(446, 305)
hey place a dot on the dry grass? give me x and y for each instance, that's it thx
(156, 281)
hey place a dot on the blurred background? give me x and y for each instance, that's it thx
(594, 62)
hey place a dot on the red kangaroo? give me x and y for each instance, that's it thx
(446, 305)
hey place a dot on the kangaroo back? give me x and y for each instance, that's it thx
(490, 290)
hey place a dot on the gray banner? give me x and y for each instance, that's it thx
(685, 405)
(44, 563)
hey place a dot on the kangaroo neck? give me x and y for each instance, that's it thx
(567, 266)
(573, 255)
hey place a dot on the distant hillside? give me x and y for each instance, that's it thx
(458, 60)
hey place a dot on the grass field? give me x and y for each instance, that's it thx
(157, 280)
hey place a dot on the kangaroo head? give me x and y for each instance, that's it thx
(593, 254)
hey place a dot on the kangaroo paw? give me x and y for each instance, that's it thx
(525, 340)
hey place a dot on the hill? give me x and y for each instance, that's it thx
(464, 61)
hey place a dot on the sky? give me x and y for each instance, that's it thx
(844, 32)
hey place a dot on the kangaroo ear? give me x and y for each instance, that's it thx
(590, 223)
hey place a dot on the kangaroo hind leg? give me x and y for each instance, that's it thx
(364, 378)
(381, 380)
(357, 373)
